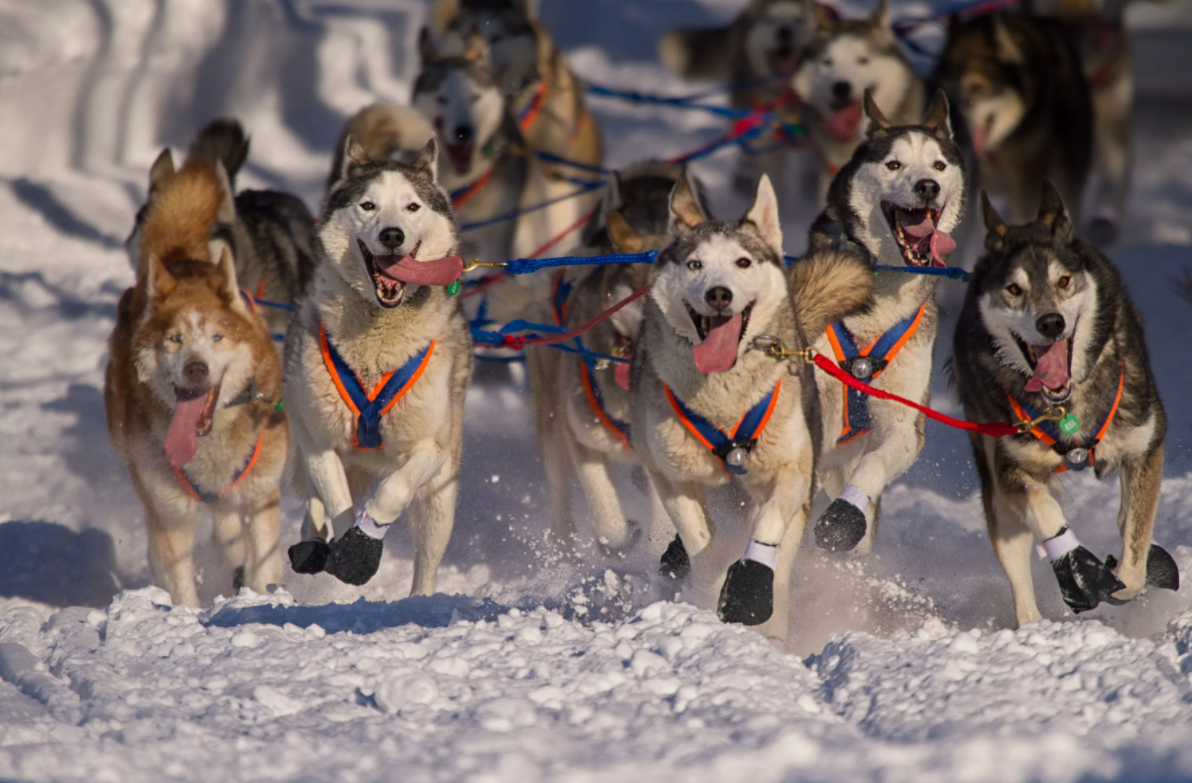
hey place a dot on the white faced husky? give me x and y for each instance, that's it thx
(895, 203)
(377, 362)
(706, 407)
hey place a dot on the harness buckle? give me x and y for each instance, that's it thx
(1051, 414)
(776, 348)
(476, 263)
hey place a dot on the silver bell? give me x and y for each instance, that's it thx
(736, 457)
(1077, 456)
(862, 368)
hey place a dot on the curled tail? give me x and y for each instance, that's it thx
(827, 286)
(222, 140)
(382, 129)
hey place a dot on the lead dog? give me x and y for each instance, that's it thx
(377, 362)
(1047, 328)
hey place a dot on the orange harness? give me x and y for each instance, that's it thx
(203, 496)
(465, 194)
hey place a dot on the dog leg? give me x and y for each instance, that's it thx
(1136, 520)
(1111, 156)
(549, 424)
(686, 508)
(262, 565)
(172, 548)
(329, 482)
(777, 626)
(432, 517)
(608, 518)
(1011, 539)
(228, 534)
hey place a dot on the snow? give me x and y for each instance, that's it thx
(528, 667)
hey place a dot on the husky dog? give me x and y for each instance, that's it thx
(895, 203)
(705, 405)
(378, 359)
(845, 59)
(540, 90)
(271, 234)
(192, 396)
(756, 53)
(1047, 330)
(1025, 103)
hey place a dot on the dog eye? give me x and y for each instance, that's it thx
(862, 61)
(368, 206)
(694, 265)
(1013, 290)
(411, 207)
(1064, 281)
(216, 338)
(744, 263)
(893, 165)
(175, 338)
(442, 99)
(827, 61)
(939, 165)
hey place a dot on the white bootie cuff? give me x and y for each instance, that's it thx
(765, 554)
(369, 527)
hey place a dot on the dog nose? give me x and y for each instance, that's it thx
(392, 238)
(719, 297)
(195, 373)
(927, 189)
(1050, 325)
(785, 35)
(463, 134)
(842, 91)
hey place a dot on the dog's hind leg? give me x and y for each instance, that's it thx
(262, 562)
(432, 517)
(608, 518)
(1136, 519)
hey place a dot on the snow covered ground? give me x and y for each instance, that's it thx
(899, 667)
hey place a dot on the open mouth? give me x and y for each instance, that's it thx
(917, 235)
(460, 156)
(783, 60)
(720, 338)
(390, 291)
(1051, 368)
(194, 414)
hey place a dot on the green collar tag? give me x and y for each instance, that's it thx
(1069, 424)
(453, 289)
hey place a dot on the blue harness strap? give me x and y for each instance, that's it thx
(877, 356)
(744, 436)
(370, 408)
(559, 294)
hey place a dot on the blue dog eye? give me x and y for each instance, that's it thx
(176, 338)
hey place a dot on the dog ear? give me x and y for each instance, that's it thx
(224, 282)
(995, 227)
(880, 18)
(427, 161)
(877, 121)
(622, 235)
(763, 213)
(354, 158)
(1052, 213)
(1008, 50)
(441, 14)
(527, 7)
(823, 16)
(428, 50)
(158, 281)
(684, 208)
(162, 170)
(227, 202)
(937, 119)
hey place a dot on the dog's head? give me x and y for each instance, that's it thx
(904, 188)
(460, 97)
(197, 336)
(640, 192)
(775, 34)
(508, 28)
(718, 283)
(1037, 296)
(382, 212)
(984, 68)
(843, 61)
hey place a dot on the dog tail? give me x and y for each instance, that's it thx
(382, 129)
(699, 53)
(222, 140)
(178, 221)
(827, 286)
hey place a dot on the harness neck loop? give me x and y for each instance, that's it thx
(730, 448)
(204, 496)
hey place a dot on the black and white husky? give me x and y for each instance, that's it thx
(894, 204)
(1047, 330)
(377, 361)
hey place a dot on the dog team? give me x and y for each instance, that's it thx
(363, 413)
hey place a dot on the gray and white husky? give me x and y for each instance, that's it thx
(843, 60)
(1047, 328)
(377, 362)
(895, 203)
(706, 406)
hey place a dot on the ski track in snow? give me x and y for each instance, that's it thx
(899, 667)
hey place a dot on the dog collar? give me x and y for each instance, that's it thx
(865, 364)
(1077, 455)
(846, 244)
(370, 408)
(204, 496)
(732, 449)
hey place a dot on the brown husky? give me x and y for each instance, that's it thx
(192, 397)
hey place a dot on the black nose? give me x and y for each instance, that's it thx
(392, 238)
(195, 373)
(927, 189)
(463, 134)
(719, 297)
(785, 35)
(842, 91)
(1050, 325)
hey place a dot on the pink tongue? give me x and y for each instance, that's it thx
(842, 123)
(444, 271)
(718, 351)
(621, 375)
(979, 141)
(1052, 368)
(941, 244)
(183, 435)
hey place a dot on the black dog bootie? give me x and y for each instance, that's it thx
(748, 593)
(841, 527)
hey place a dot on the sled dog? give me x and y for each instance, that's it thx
(1048, 334)
(271, 234)
(894, 204)
(192, 396)
(1019, 87)
(843, 60)
(377, 361)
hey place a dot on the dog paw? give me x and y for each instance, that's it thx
(1161, 569)
(1084, 580)
(675, 563)
(1102, 232)
(355, 558)
(309, 557)
(748, 593)
(633, 533)
(841, 527)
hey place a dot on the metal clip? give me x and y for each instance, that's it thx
(1051, 414)
(476, 263)
(776, 348)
